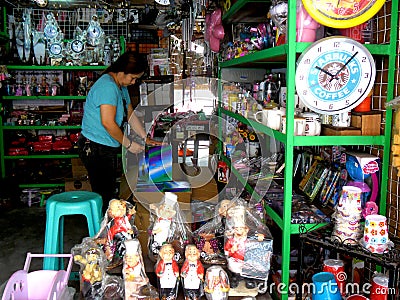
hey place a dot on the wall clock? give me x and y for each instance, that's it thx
(55, 49)
(51, 29)
(334, 75)
(342, 13)
(77, 46)
(94, 32)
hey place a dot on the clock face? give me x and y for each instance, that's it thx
(342, 13)
(50, 31)
(55, 49)
(77, 46)
(334, 75)
(94, 31)
(162, 2)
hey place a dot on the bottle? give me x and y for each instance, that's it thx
(32, 58)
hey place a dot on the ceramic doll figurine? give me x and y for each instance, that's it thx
(117, 228)
(192, 274)
(216, 285)
(167, 271)
(92, 273)
(164, 224)
(237, 237)
(133, 270)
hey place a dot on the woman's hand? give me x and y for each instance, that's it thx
(151, 142)
(135, 148)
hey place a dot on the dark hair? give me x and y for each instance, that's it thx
(129, 63)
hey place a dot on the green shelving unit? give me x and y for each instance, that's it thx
(286, 55)
(6, 100)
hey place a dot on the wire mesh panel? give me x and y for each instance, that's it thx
(393, 196)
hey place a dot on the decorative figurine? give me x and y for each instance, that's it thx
(209, 238)
(115, 229)
(216, 285)
(168, 226)
(192, 274)
(248, 247)
(167, 271)
(92, 268)
(133, 270)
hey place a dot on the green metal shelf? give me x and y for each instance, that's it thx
(41, 156)
(59, 68)
(44, 97)
(41, 185)
(308, 140)
(33, 127)
(278, 54)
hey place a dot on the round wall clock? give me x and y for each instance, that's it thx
(51, 29)
(334, 75)
(55, 49)
(343, 13)
(77, 46)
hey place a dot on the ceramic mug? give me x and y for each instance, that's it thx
(342, 120)
(313, 123)
(270, 117)
(299, 125)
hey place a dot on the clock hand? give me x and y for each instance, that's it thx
(324, 71)
(340, 70)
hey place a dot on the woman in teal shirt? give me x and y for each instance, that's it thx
(107, 106)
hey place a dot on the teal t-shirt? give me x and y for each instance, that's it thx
(104, 91)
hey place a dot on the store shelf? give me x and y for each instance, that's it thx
(308, 140)
(56, 68)
(41, 185)
(40, 156)
(44, 97)
(277, 55)
(43, 127)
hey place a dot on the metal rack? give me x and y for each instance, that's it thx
(320, 241)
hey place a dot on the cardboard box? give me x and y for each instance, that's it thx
(340, 131)
(76, 184)
(368, 122)
(78, 169)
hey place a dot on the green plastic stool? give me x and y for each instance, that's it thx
(84, 203)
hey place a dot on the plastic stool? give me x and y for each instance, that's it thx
(85, 203)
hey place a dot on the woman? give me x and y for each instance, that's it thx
(107, 106)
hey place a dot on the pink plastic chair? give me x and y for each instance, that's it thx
(41, 284)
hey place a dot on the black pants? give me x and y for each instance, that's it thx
(101, 163)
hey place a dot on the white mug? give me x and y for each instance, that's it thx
(342, 120)
(299, 125)
(270, 117)
(313, 123)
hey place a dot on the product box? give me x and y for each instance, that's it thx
(156, 165)
(76, 184)
(339, 131)
(368, 122)
(78, 169)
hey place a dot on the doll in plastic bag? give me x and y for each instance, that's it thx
(192, 274)
(209, 238)
(248, 247)
(216, 285)
(168, 225)
(117, 226)
(136, 282)
(167, 271)
(95, 283)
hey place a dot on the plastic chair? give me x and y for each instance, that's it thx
(41, 284)
(84, 203)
